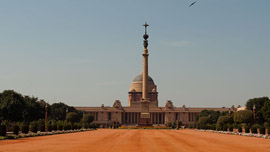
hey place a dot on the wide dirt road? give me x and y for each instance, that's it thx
(137, 140)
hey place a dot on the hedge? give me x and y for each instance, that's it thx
(49, 128)
(60, 127)
(25, 129)
(3, 130)
(247, 129)
(54, 127)
(34, 127)
(254, 130)
(42, 128)
(240, 129)
(16, 129)
(262, 130)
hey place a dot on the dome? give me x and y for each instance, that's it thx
(136, 85)
(140, 78)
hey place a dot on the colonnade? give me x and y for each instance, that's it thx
(130, 117)
(157, 118)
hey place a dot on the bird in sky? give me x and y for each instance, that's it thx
(192, 3)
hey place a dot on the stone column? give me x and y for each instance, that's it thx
(145, 74)
(145, 115)
(158, 119)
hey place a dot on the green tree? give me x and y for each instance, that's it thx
(12, 105)
(73, 117)
(58, 111)
(213, 115)
(259, 103)
(87, 119)
(33, 110)
(266, 111)
(204, 120)
(224, 120)
(243, 116)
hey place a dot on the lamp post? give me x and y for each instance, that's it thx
(46, 116)
(254, 113)
(66, 113)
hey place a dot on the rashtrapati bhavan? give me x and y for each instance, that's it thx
(143, 108)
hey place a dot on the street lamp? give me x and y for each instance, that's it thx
(66, 112)
(254, 113)
(46, 116)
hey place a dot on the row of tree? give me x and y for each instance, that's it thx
(256, 115)
(23, 113)
(15, 107)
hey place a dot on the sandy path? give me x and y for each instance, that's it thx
(137, 140)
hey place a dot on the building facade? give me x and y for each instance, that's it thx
(143, 108)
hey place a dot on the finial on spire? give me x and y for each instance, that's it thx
(145, 25)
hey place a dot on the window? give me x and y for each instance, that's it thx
(96, 115)
(109, 115)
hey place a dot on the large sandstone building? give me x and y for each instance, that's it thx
(143, 108)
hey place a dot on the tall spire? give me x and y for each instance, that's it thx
(145, 63)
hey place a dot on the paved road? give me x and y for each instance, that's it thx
(137, 140)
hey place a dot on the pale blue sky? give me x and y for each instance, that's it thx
(86, 53)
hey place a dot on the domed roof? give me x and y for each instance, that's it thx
(139, 78)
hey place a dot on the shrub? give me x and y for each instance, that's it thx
(218, 127)
(42, 128)
(247, 129)
(262, 130)
(25, 129)
(254, 130)
(224, 128)
(235, 125)
(16, 129)
(74, 126)
(203, 126)
(266, 124)
(214, 127)
(240, 129)
(221, 127)
(97, 126)
(79, 126)
(49, 128)
(69, 126)
(60, 127)
(54, 127)
(85, 126)
(230, 128)
(169, 124)
(3, 130)
(34, 126)
(191, 126)
(65, 127)
(209, 126)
